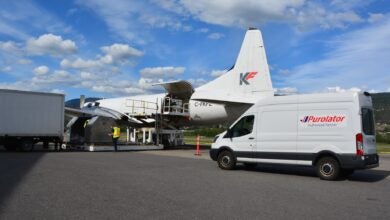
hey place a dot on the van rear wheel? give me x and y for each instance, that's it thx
(226, 160)
(328, 168)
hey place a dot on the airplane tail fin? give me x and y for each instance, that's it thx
(248, 78)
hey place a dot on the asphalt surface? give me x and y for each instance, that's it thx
(178, 185)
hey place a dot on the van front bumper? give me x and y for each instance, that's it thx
(214, 154)
(359, 162)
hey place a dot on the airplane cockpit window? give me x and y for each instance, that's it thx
(243, 126)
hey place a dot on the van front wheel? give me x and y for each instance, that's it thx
(226, 160)
(328, 168)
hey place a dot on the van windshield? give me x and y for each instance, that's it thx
(368, 121)
(243, 127)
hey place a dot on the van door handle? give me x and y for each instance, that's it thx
(251, 138)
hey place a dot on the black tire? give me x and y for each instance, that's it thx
(250, 165)
(26, 145)
(347, 172)
(328, 168)
(10, 147)
(226, 160)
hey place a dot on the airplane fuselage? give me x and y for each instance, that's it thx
(198, 112)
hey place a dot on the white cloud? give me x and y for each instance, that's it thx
(88, 76)
(338, 89)
(9, 47)
(9, 30)
(50, 44)
(126, 17)
(202, 30)
(58, 80)
(215, 36)
(284, 72)
(162, 72)
(116, 87)
(217, 73)
(246, 13)
(375, 17)
(57, 77)
(171, 5)
(350, 4)
(21, 85)
(80, 64)
(286, 91)
(359, 59)
(20, 18)
(117, 90)
(59, 91)
(119, 53)
(24, 61)
(197, 82)
(162, 21)
(6, 69)
(117, 16)
(317, 16)
(41, 70)
(232, 13)
(115, 54)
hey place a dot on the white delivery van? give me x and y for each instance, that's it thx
(333, 132)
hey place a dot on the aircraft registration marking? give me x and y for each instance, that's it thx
(202, 104)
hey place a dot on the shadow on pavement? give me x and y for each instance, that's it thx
(188, 147)
(358, 176)
(369, 175)
(14, 166)
(280, 169)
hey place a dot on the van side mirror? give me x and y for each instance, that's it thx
(229, 133)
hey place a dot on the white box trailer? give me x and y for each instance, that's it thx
(30, 117)
(333, 132)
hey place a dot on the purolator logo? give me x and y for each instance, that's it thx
(323, 120)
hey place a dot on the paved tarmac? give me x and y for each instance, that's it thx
(175, 184)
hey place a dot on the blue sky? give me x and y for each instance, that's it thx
(121, 47)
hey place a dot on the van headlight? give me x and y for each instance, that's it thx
(215, 138)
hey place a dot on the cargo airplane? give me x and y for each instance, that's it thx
(222, 100)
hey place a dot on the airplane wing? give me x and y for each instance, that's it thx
(181, 89)
(224, 97)
(184, 90)
(100, 111)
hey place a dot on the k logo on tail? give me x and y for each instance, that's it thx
(247, 76)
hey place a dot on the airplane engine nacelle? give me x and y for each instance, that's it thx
(204, 112)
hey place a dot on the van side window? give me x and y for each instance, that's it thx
(368, 121)
(243, 126)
